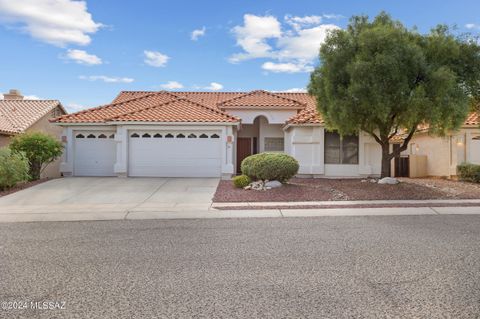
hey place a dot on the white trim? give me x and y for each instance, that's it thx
(287, 126)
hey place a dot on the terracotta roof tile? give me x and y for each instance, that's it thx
(128, 101)
(102, 113)
(18, 115)
(472, 119)
(260, 99)
(179, 110)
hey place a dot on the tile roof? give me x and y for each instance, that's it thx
(18, 115)
(129, 101)
(102, 113)
(472, 119)
(178, 110)
(261, 99)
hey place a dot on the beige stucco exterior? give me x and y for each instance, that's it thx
(43, 125)
(445, 153)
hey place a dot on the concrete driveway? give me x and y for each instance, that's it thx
(101, 198)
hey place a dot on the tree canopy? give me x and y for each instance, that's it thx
(381, 77)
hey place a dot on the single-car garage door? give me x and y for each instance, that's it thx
(94, 153)
(174, 153)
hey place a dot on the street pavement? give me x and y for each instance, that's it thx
(425, 266)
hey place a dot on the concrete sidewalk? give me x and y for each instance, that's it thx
(111, 213)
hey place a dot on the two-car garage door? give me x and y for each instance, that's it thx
(174, 153)
(150, 153)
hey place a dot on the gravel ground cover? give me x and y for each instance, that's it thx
(319, 189)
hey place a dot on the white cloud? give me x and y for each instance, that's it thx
(31, 97)
(156, 59)
(172, 85)
(286, 67)
(82, 57)
(294, 48)
(298, 22)
(214, 86)
(304, 44)
(107, 79)
(472, 26)
(252, 36)
(58, 22)
(74, 107)
(198, 33)
(293, 90)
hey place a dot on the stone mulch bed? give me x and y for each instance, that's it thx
(320, 189)
(21, 186)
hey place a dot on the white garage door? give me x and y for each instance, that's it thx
(174, 153)
(475, 150)
(94, 153)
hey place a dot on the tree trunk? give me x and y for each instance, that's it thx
(386, 160)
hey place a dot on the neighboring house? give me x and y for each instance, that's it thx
(443, 154)
(18, 115)
(208, 134)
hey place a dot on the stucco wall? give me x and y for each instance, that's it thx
(445, 153)
(306, 144)
(437, 150)
(273, 116)
(4, 140)
(268, 130)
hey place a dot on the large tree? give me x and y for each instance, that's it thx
(383, 78)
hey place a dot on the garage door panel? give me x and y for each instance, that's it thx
(95, 153)
(174, 157)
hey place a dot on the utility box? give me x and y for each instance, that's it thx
(417, 166)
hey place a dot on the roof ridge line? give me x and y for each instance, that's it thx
(179, 98)
(262, 91)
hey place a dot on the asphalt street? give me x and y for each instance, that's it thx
(324, 267)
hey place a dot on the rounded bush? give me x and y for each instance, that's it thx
(241, 181)
(13, 168)
(469, 172)
(270, 166)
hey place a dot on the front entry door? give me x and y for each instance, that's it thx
(244, 149)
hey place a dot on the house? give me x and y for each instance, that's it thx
(18, 115)
(208, 134)
(443, 154)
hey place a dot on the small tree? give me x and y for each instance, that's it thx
(382, 78)
(13, 168)
(39, 148)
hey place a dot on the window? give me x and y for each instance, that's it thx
(135, 135)
(204, 136)
(180, 135)
(274, 144)
(341, 150)
(90, 136)
(192, 136)
(112, 136)
(80, 136)
(215, 136)
(146, 135)
(169, 135)
(102, 136)
(158, 135)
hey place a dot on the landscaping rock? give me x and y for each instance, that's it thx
(258, 185)
(273, 184)
(388, 180)
(373, 180)
(248, 187)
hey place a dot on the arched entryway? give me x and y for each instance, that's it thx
(259, 136)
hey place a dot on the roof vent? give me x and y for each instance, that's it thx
(13, 95)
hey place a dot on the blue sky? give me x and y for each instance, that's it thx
(84, 53)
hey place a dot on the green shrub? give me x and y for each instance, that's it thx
(39, 148)
(13, 168)
(241, 181)
(271, 166)
(469, 172)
